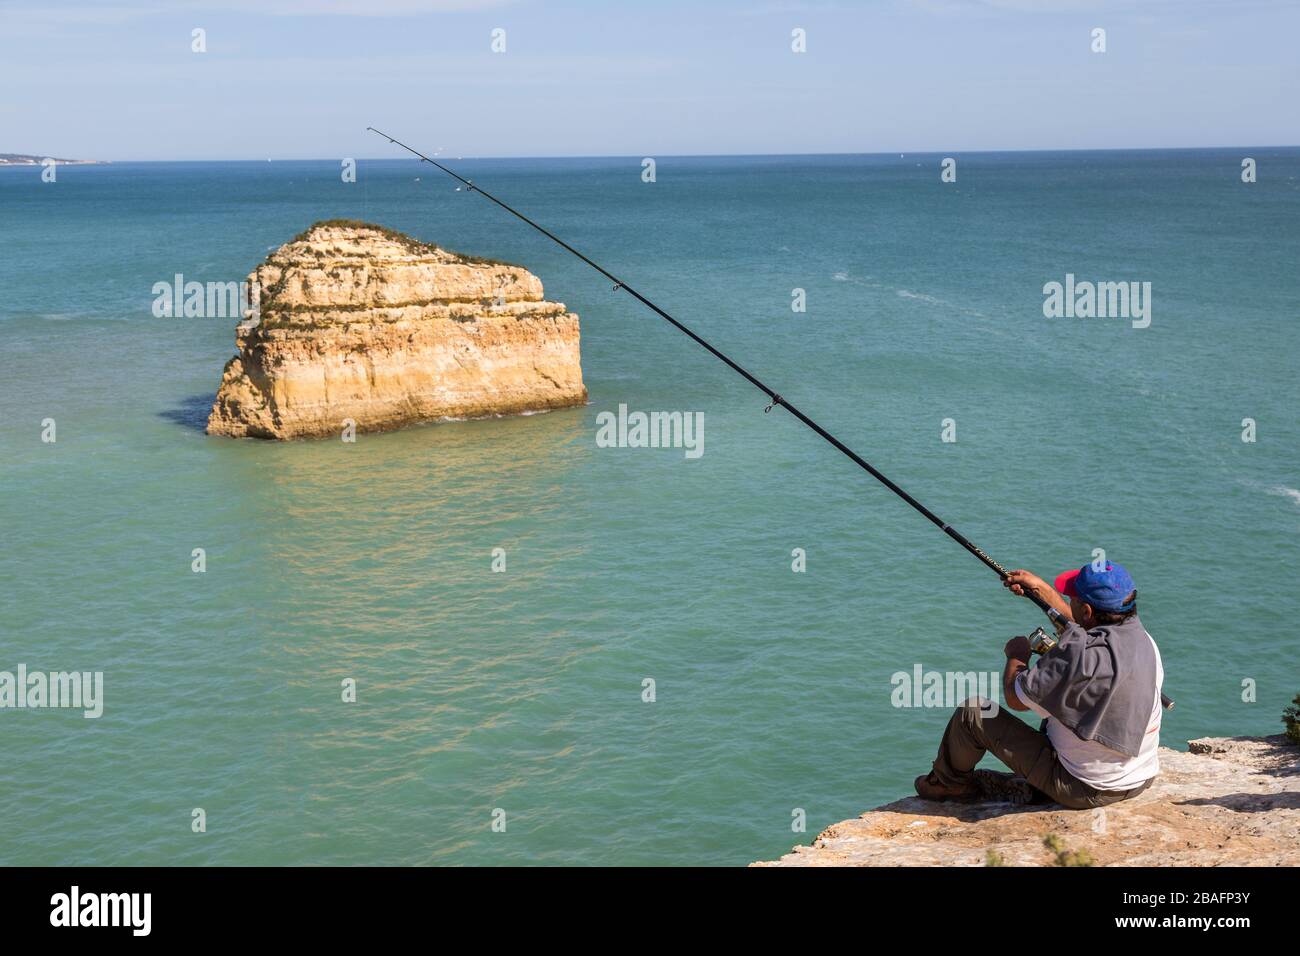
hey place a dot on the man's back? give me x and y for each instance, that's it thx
(1098, 765)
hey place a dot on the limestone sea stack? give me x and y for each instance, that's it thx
(357, 322)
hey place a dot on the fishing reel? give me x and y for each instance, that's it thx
(1040, 642)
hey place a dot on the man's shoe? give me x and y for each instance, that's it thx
(928, 787)
(998, 787)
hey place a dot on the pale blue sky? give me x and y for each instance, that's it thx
(284, 79)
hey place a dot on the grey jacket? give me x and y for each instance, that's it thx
(1100, 683)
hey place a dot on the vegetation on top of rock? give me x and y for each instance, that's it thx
(1291, 718)
(410, 243)
(1064, 855)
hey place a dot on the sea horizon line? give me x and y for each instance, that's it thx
(746, 155)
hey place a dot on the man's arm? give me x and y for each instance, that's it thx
(1017, 651)
(1021, 581)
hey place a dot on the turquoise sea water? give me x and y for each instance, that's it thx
(522, 690)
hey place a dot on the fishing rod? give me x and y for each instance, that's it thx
(1040, 641)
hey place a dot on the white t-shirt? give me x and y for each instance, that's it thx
(1097, 765)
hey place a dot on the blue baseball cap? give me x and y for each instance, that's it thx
(1106, 590)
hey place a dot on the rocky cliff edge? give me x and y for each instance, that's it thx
(1228, 801)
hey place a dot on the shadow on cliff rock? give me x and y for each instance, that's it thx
(1248, 802)
(965, 812)
(191, 412)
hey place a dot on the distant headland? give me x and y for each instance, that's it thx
(29, 159)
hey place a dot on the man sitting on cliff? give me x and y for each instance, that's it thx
(1099, 692)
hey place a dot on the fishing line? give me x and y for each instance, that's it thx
(1040, 642)
(774, 397)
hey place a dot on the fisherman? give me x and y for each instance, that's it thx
(1098, 692)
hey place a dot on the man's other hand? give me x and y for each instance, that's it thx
(1017, 649)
